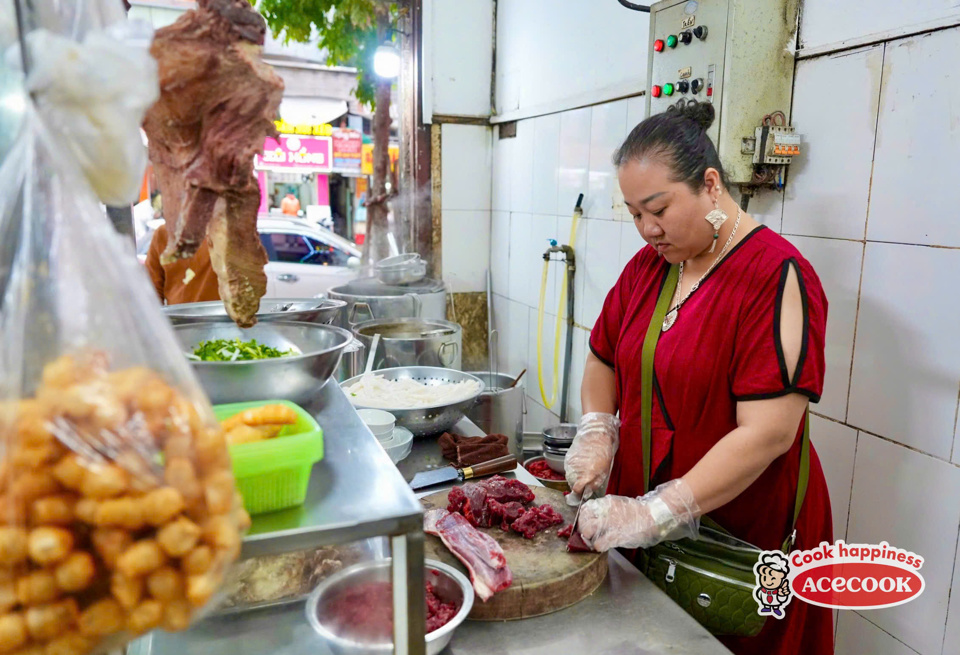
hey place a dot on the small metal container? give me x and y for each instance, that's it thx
(297, 378)
(401, 269)
(559, 485)
(560, 436)
(413, 342)
(370, 299)
(500, 410)
(449, 584)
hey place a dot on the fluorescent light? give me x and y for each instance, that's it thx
(386, 61)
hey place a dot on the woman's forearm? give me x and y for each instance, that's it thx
(598, 390)
(767, 430)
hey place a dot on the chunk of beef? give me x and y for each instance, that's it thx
(505, 513)
(536, 519)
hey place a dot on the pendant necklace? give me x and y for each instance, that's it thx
(671, 316)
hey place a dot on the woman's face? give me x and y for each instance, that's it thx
(668, 214)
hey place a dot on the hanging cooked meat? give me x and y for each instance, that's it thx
(218, 100)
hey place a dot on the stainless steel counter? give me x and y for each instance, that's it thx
(627, 615)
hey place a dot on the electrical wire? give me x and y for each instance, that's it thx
(635, 7)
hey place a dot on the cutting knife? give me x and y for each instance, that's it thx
(450, 474)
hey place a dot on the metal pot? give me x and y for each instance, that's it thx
(370, 299)
(413, 342)
(352, 361)
(500, 410)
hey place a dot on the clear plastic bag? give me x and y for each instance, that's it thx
(118, 508)
(92, 77)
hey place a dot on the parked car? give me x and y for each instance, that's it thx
(305, 260)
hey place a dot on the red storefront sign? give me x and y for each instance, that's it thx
(300, 152)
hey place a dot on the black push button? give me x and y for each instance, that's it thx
(700, 31)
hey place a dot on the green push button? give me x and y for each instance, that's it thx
(668, 89)
(672, 41)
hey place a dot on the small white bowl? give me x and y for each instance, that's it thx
(381, 423)
(400, 445)
(554, 461)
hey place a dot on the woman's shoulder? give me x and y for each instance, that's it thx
(773, 254)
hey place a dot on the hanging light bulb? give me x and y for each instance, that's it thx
(386, 60)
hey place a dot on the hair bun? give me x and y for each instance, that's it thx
(701, 113)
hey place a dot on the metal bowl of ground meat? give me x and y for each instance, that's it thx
(352, 611)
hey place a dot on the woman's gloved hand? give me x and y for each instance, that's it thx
(588, 460)
(668, 512)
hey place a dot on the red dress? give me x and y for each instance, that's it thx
(724, 348)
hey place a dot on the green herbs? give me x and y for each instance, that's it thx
(234, 350)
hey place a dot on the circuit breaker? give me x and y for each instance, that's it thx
(738, 55)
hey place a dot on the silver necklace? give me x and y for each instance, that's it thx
(671, 316)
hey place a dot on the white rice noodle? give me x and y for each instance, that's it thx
(376, 391)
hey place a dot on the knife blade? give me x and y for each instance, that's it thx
(451, 474)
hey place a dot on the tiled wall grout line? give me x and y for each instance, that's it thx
(904, 644)
(856, 328)
(953, 581)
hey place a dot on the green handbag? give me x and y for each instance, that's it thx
(711, 577)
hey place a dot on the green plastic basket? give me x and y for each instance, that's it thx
(274, 474)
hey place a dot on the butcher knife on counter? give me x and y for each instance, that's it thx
(449, 474)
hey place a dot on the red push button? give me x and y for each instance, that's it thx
(658, 45)
(656, 91)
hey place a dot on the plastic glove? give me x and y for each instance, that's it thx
(669, 512)
(590, 456)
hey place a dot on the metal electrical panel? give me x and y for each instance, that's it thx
(739, 55)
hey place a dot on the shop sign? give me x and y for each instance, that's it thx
(302, 152)
(347, 148)
(368, 158)
(303, 129)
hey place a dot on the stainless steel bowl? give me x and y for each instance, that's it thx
(426, 420)
(560, 436)
(323, 311)
(402, 269)
(296, 378)
(448, 583)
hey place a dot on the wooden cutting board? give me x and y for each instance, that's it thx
(546, 578)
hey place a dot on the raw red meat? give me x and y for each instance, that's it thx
(565, 532)
(456, 499)
(364, 612)
(506, 513)
(536, 519)
(218, 101)
(504, 491)
(576, 544)
(540, 469)
(480, 553)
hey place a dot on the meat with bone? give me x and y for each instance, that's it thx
(218, 101)
(536, 519)
(480, 553)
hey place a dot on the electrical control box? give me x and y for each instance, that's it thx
(738, 55)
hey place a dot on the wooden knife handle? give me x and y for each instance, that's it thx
(498, 465)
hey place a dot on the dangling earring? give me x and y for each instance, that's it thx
(716, 219)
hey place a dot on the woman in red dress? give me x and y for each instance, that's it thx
(740, 356)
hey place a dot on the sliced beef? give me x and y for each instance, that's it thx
(565, 532)
(479, 552)
(536, 519)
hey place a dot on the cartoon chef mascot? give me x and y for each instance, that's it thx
(773, 588)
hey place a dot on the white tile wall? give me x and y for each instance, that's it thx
(608, 128)
(906, 364)
(521, 170)
(911, 501)
(767, 207)
(549, 341)
(537, 417)
(828, 22)
(630, 243)
(465, 167)
(461, 73)
(574, 158)
(837, 264)
(828, 186)
(636, 112)
(521, 269)
(546, 163)
(543, 228)
(465, 251)
(500, 252)
(599, 270)
(579, 359)
(836, 445)
(914, 185)
(502, 166)
(951, 641)
(512, 327)
(857, 636)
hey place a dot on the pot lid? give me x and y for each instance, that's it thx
(374, 287)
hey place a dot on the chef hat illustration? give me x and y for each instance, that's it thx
(776, 561)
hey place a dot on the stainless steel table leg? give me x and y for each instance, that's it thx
(409, 604)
